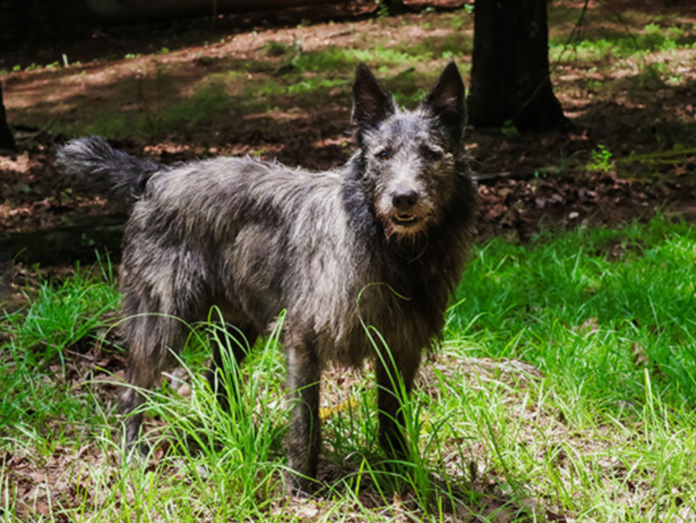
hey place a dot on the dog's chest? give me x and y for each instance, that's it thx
(370, 315)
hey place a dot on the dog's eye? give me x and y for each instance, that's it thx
(384, 154)
(431, 154)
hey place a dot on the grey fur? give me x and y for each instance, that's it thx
(380, 241)
(107, 171)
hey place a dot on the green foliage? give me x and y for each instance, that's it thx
(33, 351)
(509, 128)
(305, 78)
(383, 9)
(341, 59)
(313, 84)
(594, 85)
(450, 46)
(656, 38)
(567, 375)
(594, 309)
(277, 49)
(458, 22)
(207, 102)
(600, 159)
(652, 74)
(652, 38)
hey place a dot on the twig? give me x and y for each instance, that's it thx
(489, 178)
(624, 24)
(576, 27)
(341, 33)
(25, 137)
(663, 155)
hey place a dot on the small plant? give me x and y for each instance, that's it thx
(509, 128)
(594, 85)
(652, 74)
(600, 159)
(276, 49)
(675, 79)
(382, 10)
(657, 38)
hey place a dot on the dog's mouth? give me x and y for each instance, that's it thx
(405, 219)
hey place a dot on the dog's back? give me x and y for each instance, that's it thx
(250, 237)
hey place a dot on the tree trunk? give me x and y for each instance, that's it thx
(6, 138)
(510, 79)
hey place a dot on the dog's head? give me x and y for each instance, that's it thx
(411, 160)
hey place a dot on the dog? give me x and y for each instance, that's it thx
(379, 242)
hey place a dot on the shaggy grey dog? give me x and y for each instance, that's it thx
(378, 242)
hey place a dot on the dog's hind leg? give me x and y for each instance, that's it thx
(395, 372)
(304, 439)
(153, 339)
(241, 341)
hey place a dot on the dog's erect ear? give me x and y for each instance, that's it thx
(446, 101)
(371, 104)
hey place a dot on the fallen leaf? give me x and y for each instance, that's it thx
(184, 391)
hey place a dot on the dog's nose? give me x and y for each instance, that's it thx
(404, 199)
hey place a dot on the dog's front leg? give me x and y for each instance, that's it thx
(395, 374)
(304, 438)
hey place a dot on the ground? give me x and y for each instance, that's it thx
(277, 85)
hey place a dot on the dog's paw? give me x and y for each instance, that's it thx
(136, 455)
(298, 485)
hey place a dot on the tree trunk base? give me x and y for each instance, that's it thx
(510, 79)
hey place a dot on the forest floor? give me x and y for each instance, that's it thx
(277, 87)
(601, 318)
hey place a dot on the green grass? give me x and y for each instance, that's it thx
(625, 44)
(286, 77)
(565, 386)
(36, 387)
(299, 79)
(577, 313)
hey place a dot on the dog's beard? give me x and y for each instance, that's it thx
(409, 239)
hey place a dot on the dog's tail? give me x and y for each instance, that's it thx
(111, 173)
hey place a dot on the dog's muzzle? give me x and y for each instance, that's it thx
(407, 210)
